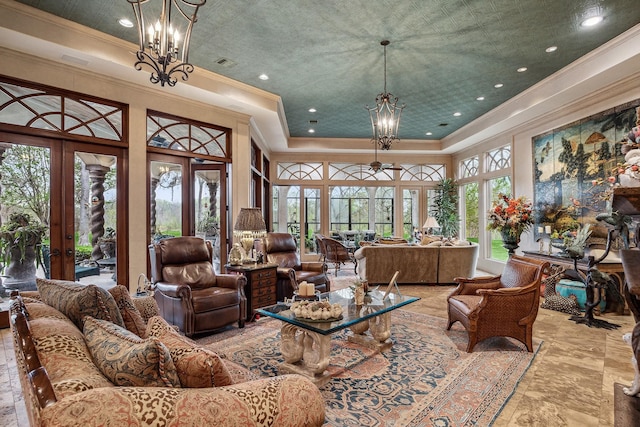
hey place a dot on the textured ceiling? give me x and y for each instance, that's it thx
(327, 54)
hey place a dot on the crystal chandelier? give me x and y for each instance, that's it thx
(385, 116)
(160, 42)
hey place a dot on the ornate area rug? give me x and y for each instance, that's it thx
(425, 379)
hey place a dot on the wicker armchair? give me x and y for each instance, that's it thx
(335, 252)
(505, 305)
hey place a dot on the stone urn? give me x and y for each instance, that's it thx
(510, 241)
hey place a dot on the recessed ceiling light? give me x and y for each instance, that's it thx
(125, 22)
(480, 98)
(312, 110)
(498, 85)
(457, 114)
(263, 77)
(590, 22)
(551, 49)
(429, 133)
(521, 69)
(312, 131)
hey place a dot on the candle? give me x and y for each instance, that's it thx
(540, 230)
(547, 229)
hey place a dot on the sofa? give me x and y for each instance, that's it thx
(417, 264)
(102, 373)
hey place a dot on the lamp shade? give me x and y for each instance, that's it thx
(431, 223)
(250, 220)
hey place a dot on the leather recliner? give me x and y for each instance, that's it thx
(187, 289)
(281, 249)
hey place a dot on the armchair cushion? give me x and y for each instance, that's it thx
(76, 301)
(213, 298)
(196, 366)
(197, 275)
(126, 359)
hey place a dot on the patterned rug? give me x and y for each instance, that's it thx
(425, 379)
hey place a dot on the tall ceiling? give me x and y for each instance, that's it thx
(326, 55)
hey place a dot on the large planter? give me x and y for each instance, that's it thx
(510, 241)
(21, 271)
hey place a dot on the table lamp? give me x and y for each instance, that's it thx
(249, 226)
(430, 224)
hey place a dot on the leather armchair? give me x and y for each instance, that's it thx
(505, 305)
(280, 248)
(188, 291)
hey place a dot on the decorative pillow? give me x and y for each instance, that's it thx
(197, 367)
(428, 239)
(436, 243)
(76, 301)
(126, 359)
(147, 307)
(132, 318)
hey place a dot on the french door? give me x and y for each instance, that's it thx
(75, 190)
(188, 197)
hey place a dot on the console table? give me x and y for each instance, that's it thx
(260, 289)
(613, 269)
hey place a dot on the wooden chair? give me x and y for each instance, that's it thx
(335, 252)
(188, 291)
(505, 305)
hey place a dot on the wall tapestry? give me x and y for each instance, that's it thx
(576, 164)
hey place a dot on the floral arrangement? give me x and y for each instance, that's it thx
(510, 214)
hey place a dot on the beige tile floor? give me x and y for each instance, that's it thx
(570, 382)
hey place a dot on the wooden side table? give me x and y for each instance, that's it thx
(261, 285)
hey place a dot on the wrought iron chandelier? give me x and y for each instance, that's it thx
(160, 42)
(385, 116)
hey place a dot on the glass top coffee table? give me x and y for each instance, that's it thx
(306, 344)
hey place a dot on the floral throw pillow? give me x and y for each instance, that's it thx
(126, 359)
(197, 367)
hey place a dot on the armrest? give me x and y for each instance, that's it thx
(174, 291)
(231, 281)
(252, 403)
(471, 287)
(314, 266)
(285, 272)
(516, 290)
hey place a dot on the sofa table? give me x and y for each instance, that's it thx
(306, 344)
(260, 289)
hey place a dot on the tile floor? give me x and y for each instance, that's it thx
(570, 382)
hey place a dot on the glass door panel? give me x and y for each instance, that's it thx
(166, 207)
(25, 193)
(311, 219)
(95, 219)
(496, 186)
(208, 192)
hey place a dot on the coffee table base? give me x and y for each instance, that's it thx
(380, 329)
(307, 353)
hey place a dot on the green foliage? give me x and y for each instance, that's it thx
(19, 232)
(445, 207)
(25, 179)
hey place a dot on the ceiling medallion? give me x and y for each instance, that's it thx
(159, 42)
(385, 116)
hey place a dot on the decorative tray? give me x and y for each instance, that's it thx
(310, 320)
(315, 297)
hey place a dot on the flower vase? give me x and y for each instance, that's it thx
(509, 241)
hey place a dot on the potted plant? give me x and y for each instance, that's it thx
(445, 207)
(107, 243)
(511, 217)
(20, 240)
